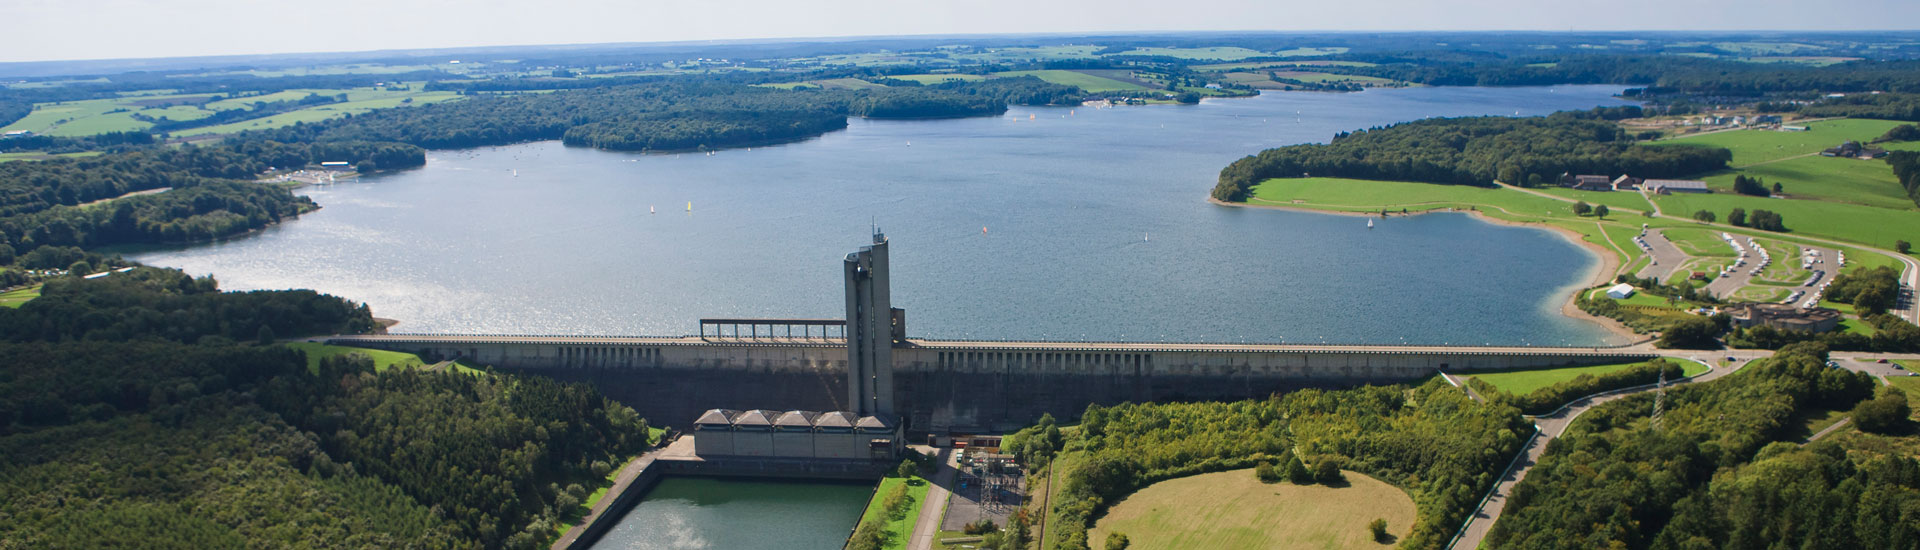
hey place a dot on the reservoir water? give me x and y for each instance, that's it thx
(1044, 223)
(704, 513)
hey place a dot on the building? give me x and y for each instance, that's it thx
(1793, 128)
(797, 434)
(1626, 183)
(1668, 187)
(1587, 182)
(1620, 291)
(337, 165)
(1854, 150)
(17, 134)
(873, 326)
(713, 433)
(1784, 317)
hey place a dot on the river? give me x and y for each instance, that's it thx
(1043, 223)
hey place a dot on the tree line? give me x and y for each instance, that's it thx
(1545, 400)
(1472, 151)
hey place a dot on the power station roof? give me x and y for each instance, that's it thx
(796, 418)
(754, 417)
(719, 417)
(835, 419)
(882, 422)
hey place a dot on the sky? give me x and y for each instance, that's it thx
(46, 30)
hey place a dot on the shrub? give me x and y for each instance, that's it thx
(1378, 528)
(1266, 473)
(1884, 414)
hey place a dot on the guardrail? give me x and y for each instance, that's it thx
(1620, 347)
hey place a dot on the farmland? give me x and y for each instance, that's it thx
(94, 116)
(1084, 81)
(1756, 146)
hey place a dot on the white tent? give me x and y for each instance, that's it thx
(1620, 291)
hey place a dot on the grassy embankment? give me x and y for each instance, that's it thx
(897, 530)
(1522, 382)
(382, 359)
(1233, 510)
(14, 298)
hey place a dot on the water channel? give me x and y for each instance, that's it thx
(1053, 222)
(691, 513)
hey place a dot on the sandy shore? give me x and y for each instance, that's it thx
(1604, 273)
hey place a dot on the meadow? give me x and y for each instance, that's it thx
(1878, 227)
(382, 359)
(94, 116)
(15, 298)
(1233, 510)
(1219, 53)
(1756, 146)
(897, 530)
(1523, 382)
(1863, 182)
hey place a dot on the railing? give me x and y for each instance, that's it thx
(1548, 348)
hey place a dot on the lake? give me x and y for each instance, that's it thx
(1044, 223)
(691, 513)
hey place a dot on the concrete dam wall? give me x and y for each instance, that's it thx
(951, 385)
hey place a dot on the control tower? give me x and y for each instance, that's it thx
(873, 325)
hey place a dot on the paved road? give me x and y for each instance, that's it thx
(1550, 426)
(935, 505)
(1666, 257)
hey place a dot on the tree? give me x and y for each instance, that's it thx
(1766, 220)
(1704, 216)
(1884, 414)
(1776, 188)
(1749, 186)
(896, 502)
(906, 469)
(1378, 528)
(1600, 211)
(1326, 469)
(1902, 246)
(1117, 541)
(1737, 217)
(265, 336)
(1693, 332)
(80, 268)
(867, 537)
(1582, 208)
(1266, 473)
(1295, 471)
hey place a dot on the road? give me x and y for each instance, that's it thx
(1550, 426)
(928, 525)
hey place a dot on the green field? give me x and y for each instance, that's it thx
(1877, 227)
(94, 116)
(1275, 64)
(1615, 200)
(1756, 146)
(1084, 81)
(15, 298)
(323, 112)
(382, 359)
(1233, 510)
(1700, 243)
(1523, 382)
(1370, 196)
(5, 157)
(900, 529)
(1866, 182)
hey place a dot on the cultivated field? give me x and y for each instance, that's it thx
(1232, 510)
(94, 116)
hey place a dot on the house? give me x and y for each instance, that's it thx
(1853, 149)
(1620, 291)
(1784, 317)
(17, 134)
(1668, 187)
(1587, 182)
(1626, 183)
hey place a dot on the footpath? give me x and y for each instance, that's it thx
(935, 505)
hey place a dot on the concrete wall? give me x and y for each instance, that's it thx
(942, 385)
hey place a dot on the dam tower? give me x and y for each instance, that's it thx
(873, 327)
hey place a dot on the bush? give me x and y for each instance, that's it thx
(906, 469)
(1378, 528)
(1117, 541)
(1326, 469)
(982, 527)
(1295, 471)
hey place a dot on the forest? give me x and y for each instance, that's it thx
(1473, 151)
(1712, 474)
(140, 398)
(1429, 440)
(664, 115)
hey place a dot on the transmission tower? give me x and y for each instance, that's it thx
(1659, 399)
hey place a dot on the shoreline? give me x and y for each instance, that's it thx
(1608, 268)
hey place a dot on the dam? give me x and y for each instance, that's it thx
(940, 386)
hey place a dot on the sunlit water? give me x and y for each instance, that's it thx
(1055, 222)
(739, 514)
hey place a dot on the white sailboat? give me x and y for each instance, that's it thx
(650, 210)
(1369, 223)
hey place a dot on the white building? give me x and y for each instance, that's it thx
(1620, 291)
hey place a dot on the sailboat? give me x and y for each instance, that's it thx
(1369, 223)
(650, 210)
(516, 173)
(689, 206)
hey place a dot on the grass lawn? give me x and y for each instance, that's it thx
(1761, 294)
(1614, 200)
(1522, 382)
(1700, 242)
(1084, 81)
(1869, 225)
(897, 530)
(1319, 77)
(15, 298)
(1754, 146)
(1370, 196)
(1232, 510)
(1273, 64)
(318, 113)
(1866, 182)
(382, 359)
